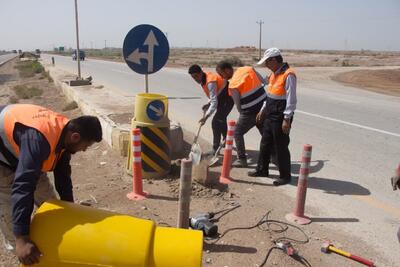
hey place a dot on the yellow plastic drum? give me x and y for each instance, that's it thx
(151, 116)
(71, 235)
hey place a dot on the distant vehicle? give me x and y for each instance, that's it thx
(37, 53)
(82, 55)
(14, 51)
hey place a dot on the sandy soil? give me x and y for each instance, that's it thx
(380, 81)
(100, 178)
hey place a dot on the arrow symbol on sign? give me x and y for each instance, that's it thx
(136, 56)
(159, 112)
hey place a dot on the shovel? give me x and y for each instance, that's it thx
(195, 151)
(215, 158)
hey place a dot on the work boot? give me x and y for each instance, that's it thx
(281, 181)
(240, 163)
(258, 173)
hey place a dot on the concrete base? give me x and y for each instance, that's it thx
(79, 82)
(297, 219)
(135, 196)
(225, 180)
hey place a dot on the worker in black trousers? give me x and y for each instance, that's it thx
(216, 89)
(277, 116)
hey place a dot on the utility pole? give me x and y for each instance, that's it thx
(77, 40)
(260, 22)
(105, 44)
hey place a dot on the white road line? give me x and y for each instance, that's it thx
(344, 100)
(348, 123)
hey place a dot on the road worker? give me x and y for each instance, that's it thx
(246, 87)
(216, 89)
(35, 140)
(277, 116)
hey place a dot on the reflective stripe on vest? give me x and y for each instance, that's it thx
(213, 77)
(47, 122)
(276, 84)
(251, 90)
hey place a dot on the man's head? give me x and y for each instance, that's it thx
(272, 59)
(81, 133)
(196, 72)
(225, 69)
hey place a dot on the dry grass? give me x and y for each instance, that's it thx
(70, 106)
(29, 68)
(26, 92)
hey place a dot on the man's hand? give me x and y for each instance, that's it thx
(286, 126)
(203, 120)
(26, 251)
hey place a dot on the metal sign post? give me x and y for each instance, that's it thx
(145, 50)
(77, 40)
(146, 82)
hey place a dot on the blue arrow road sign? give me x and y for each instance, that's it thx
(145, 49)
(155, 110)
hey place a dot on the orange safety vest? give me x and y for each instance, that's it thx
(276, 85)
(247, 82)
(213, 77)
(47, 122)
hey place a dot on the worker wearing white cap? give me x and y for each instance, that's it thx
(277, 116)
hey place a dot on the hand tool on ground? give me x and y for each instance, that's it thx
(286, 247)
(195, 151)
(203, 222)
(214, 160)
(327, 247)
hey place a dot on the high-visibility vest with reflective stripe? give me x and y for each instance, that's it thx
(247, 82)
(213, 78)
(276, 84)
(47, 122)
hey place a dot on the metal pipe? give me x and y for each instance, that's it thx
(185, 191)
(78, 56)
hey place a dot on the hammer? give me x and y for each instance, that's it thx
(327, 247)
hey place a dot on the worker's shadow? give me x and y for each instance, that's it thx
(229, 248)
(331, 186)
(315, 165)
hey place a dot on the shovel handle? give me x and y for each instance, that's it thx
(197, 135)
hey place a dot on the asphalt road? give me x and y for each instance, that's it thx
(355, 136)
(5, 57)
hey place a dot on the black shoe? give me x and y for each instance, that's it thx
(240, 163)
(281, 181)
(258, 173)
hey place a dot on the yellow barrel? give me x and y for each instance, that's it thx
(151, 116)
(71, 235)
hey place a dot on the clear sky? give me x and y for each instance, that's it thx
(291, 24)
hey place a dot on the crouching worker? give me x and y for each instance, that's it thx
(35, 140)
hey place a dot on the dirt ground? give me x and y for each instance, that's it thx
(209, 57)
(100, 178)
(380, 81)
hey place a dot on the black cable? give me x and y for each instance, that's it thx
(282, 227)
(222, 212)
(267, 256)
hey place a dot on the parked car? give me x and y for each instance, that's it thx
(82, 55)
